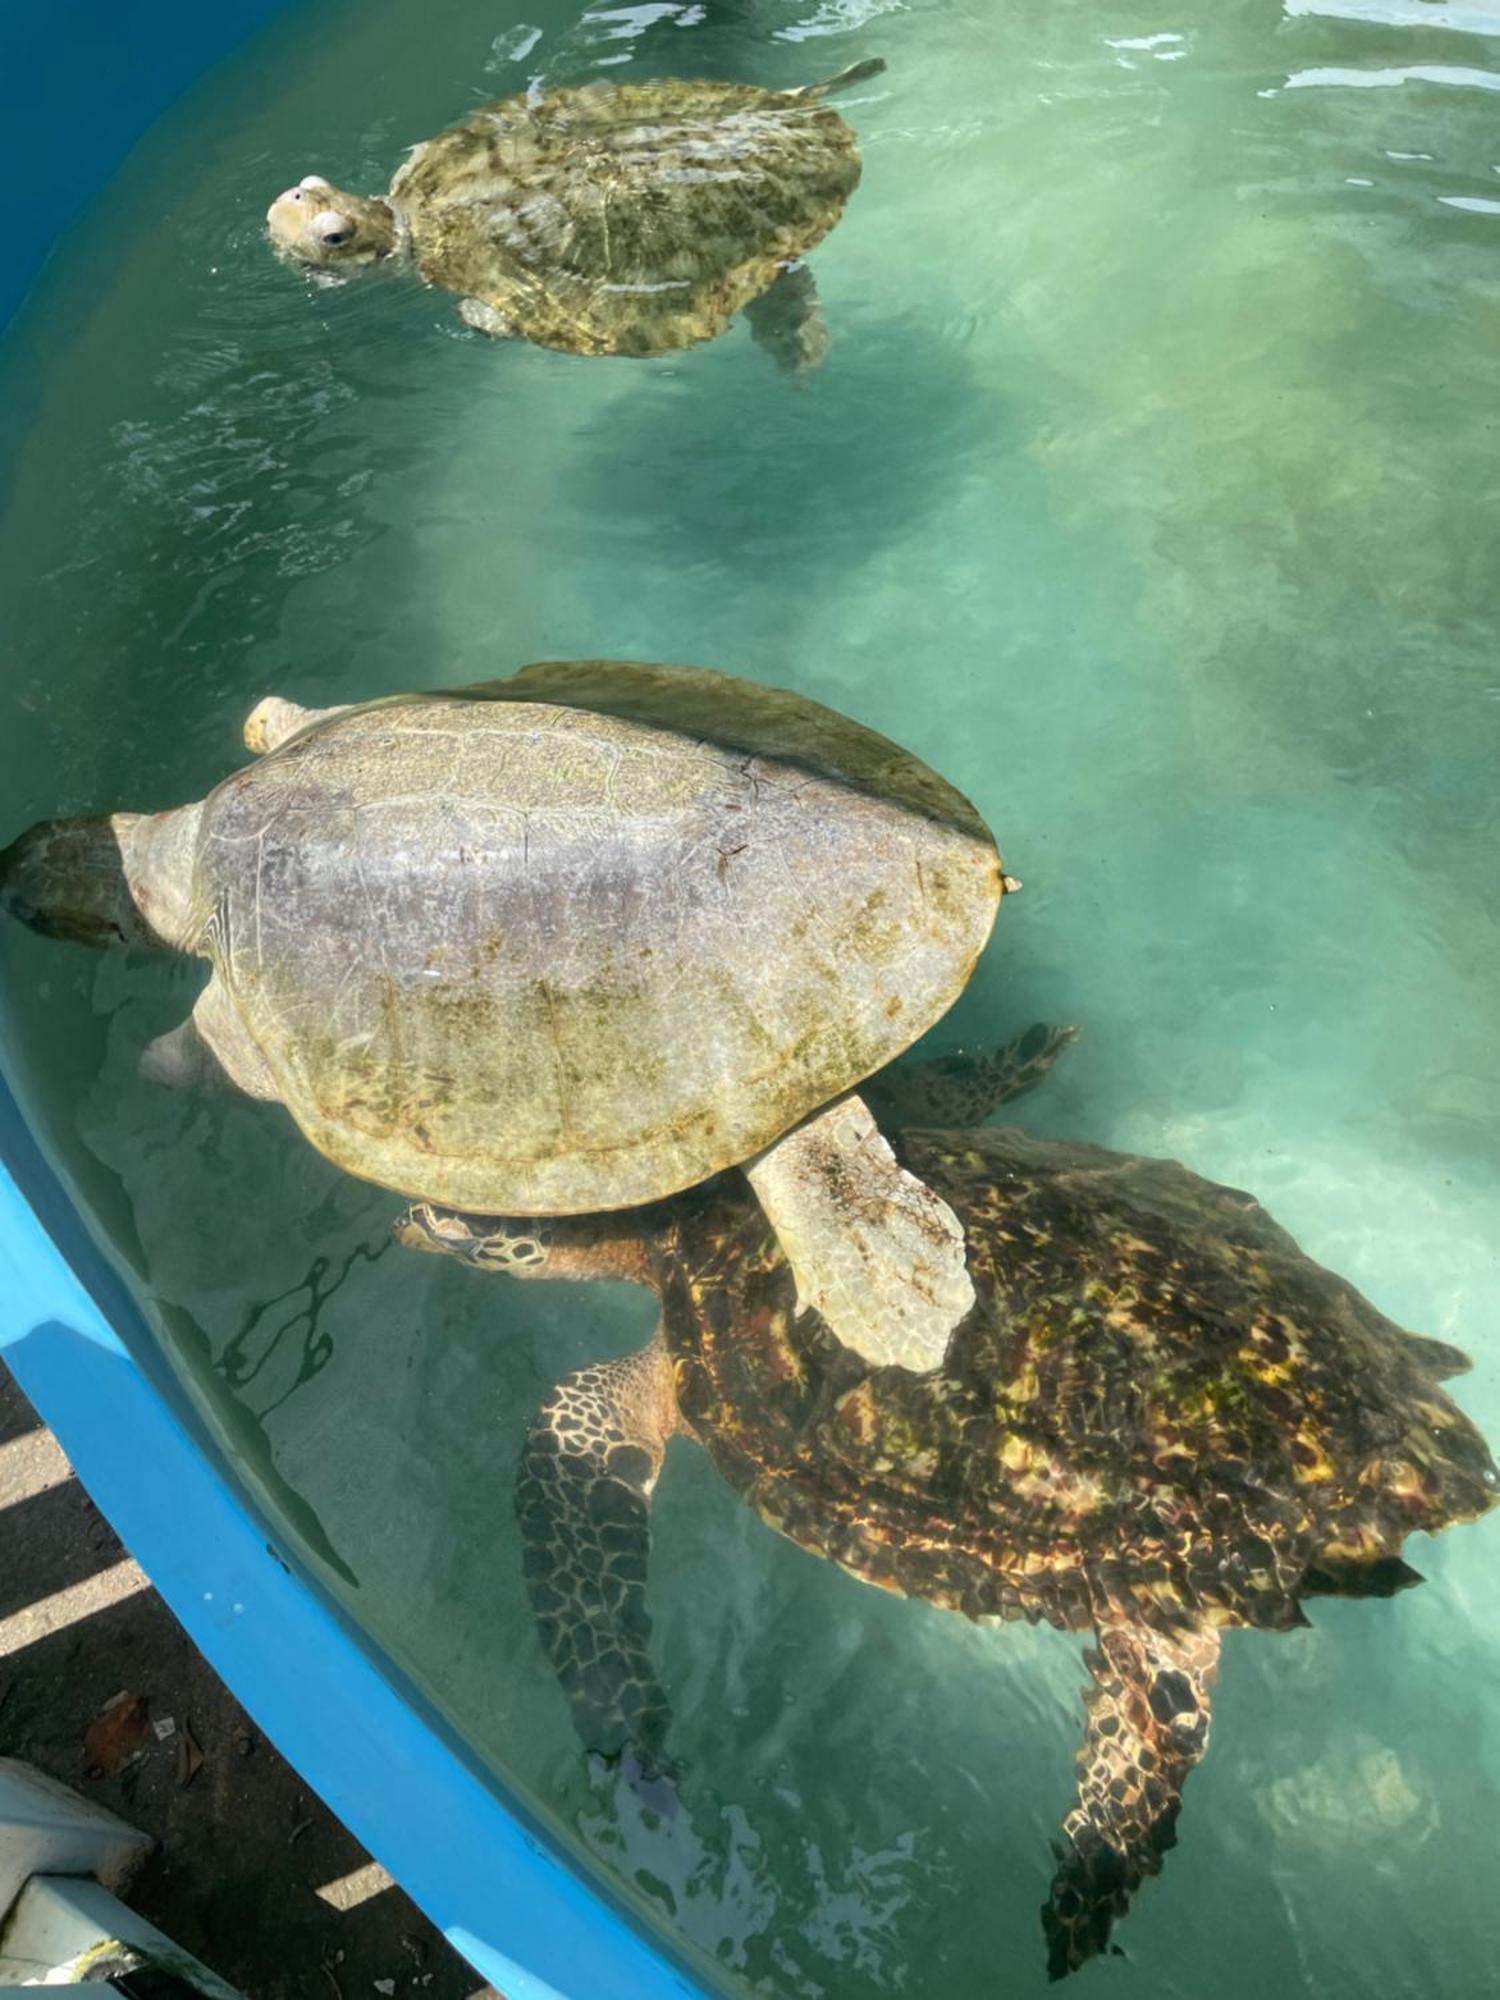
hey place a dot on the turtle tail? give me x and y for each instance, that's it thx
(859, 72)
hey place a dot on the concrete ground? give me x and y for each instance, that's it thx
(251, 1872)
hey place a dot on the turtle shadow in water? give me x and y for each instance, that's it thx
(810, 473)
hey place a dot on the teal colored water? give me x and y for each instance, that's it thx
(1149, 491)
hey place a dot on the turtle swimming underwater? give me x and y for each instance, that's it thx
(573, 941)
(1160, 1419)
(610, 218)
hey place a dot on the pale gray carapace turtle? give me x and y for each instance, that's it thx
(607, 218)
(574, 941)
(1161, 1419)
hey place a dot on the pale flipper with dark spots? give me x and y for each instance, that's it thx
(1148, 1717)
(970, 1085)
(874, 1250)
(582, 1495)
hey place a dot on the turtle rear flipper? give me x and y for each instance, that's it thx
(970, 1085)
(583, 1489)
(1436, 1358)
(787, 321)
(860, 72)
(1148, 1717)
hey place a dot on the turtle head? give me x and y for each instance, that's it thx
(66, 878)
(317, 224)
(121, 878)
(553, 1246)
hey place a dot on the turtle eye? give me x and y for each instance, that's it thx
(331, 230)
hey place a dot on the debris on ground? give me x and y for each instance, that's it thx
(117, 1736)
(189, 1755)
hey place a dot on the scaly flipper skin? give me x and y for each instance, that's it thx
(787, 321)
(969, 1086)
(582, 1494)
(1148, 1722)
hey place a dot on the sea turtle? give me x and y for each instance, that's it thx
(608, 218)
(1160, 1419)
(573, 941)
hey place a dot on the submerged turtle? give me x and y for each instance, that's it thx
(1160, 1419)
(573, 941)
(611, 218)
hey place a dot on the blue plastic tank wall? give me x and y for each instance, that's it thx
(79, 83)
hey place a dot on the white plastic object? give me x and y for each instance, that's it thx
(47, 1830)
(65, 1930)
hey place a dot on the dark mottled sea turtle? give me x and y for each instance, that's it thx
(610, 218)
(1160, 1419)
(573, 941)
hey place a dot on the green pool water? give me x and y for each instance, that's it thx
(1150, 491)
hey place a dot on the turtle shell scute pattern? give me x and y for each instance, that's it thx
(1159, 1408)
(626, 218)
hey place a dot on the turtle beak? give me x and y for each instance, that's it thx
(285, 218)
(296, 192)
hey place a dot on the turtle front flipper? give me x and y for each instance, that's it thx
(874, 1250)
(182, 1060)
(487, 319)
(582, 1494)
(787, 320)
(970, 1085)
(210, 1051)
(1148, 1718)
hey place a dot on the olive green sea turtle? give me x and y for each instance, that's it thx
(1160, 1419)
(572, 941)
(609, 218)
